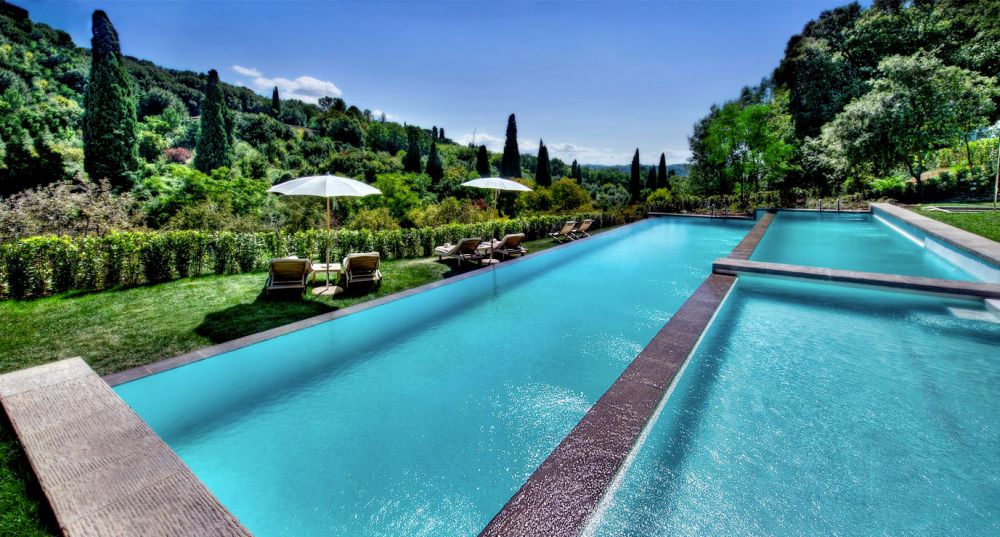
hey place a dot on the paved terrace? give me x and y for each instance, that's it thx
(102, 469)
(562, 494)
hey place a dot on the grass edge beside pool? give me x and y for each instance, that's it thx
(983, 223)
(22, 512)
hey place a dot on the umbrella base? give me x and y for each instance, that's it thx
(490, 261)
(327, 290)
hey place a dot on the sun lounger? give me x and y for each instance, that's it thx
(362, 268)
(464, 250)
(287, 273)
(566, 233)
(510, 245)
(581, 231)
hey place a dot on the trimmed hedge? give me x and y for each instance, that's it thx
(38, 266)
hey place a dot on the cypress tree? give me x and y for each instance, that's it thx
(572, 169)
(543, 173)
(635, 181)
(214, 148)
(578, 172)
(651, 178)
(441, 133)
(435, 168)
(510, 163)
(110, 127)
(434, 133)
(411, 162)
(275, 103)
(483, 162)
(661, 173)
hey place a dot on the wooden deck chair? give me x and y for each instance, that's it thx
(566, 233)
(362, 268)
(287, 273)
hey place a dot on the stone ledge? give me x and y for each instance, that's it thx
(102, 469)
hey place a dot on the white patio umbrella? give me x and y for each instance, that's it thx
(329, 187)
(496, 184)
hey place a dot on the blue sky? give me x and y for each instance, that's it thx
(594, 79)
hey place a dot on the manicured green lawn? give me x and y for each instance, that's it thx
(19, 507)
(986, 223)
(122, 328)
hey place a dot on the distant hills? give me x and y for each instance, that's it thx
(679, 169)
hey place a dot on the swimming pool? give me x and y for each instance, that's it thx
(424, 415)
(822, 409)
(856, 241)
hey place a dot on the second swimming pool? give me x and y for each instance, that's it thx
(423, 416)
(816, 409)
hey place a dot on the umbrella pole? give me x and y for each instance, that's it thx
(328, 243)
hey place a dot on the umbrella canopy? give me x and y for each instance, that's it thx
(496, 183)
(324, 186)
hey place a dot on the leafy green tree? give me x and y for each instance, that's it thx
(510, 163)
(411, 162)
(483, 162)
(344, 128)
(567, 195)
(912, 109)
(661, 173)
(275, 103)
(214, 149)
(635, 178)
(110, 127)
(435, 169)
(543, 173)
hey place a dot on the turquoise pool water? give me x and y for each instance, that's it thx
(423, 416)
(814, 409)
(850, 242)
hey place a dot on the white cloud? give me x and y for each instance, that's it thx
(568, 151)
(491, 142)
(246, 71)
(304, 88)
(388, 117)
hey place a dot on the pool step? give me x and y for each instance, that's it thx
(730, 266)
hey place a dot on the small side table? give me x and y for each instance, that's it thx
(326, 290)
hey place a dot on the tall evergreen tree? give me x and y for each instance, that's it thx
(435, 168)
(661, 173)
(483, 162)
(572, 169)
(411, 162)
(510, 163)
(275, 103)
(651, 178)
(110, 127)
(578, 174)
(434, 133)
(635, 180)
(214, 148)
(441, 133)
(543, 173)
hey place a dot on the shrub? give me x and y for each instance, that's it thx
(177, 155)
(378, 219)
(36, 266)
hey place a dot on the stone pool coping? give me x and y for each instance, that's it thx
(977, 245)
(138, 372)
(100, 466)
(732, 266)
(562, 494)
